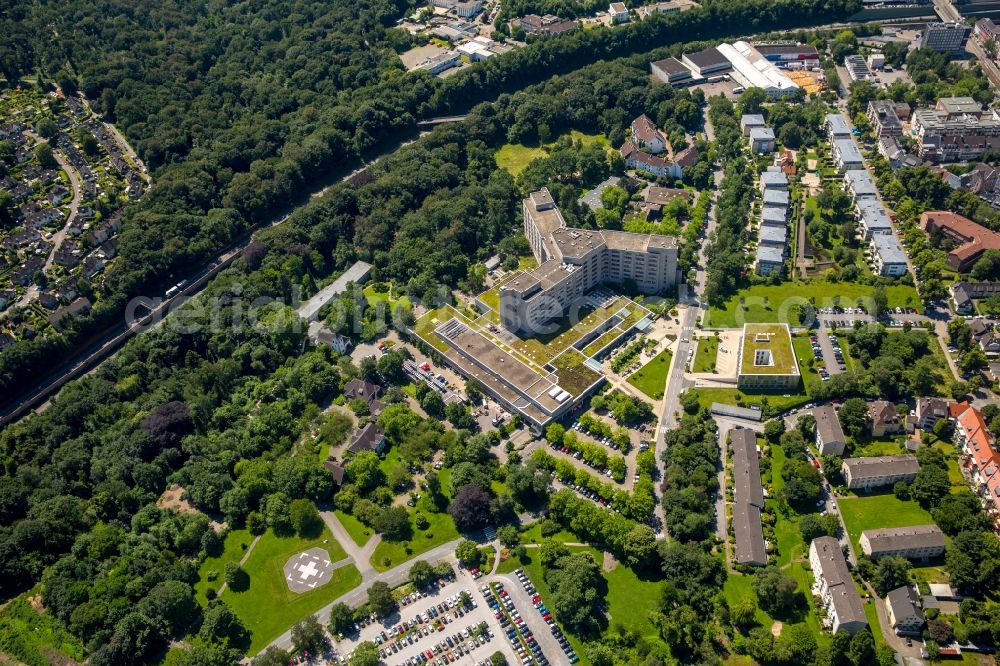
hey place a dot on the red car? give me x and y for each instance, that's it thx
(535, 599)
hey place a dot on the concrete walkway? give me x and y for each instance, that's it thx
(243, 560)
(360, 555)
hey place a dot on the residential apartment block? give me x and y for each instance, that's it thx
(930, 411)
(649, 149)
(963, 294)
(971, 239)
(748, 499)
(956, 130)
(574, 261)
(879, 471)
(903, 609)
(846, 155)
(830, 438)
(979, 456)
(884, 116)
(918, 542)
(883, 419)
(835, 587)
(872, 218)
(886, 255)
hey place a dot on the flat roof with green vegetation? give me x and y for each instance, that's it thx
(267, 607)
(774, 303)
(767, 350)
(573, 375)
(651, 378)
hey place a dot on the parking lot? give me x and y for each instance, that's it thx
(548, 644)
(438, 623)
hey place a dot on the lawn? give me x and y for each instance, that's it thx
(390, 553)
(806, 361)
(234, 547)
(533, 534)
(879, 511)
(360, 534)
(958, 482)
(631, 600)
(878, 448)
(30, 637)
(515, 157)
(705, 357)
(773, 303)
(651, 378)
(268, 607)
(766, 400)
(375, 297)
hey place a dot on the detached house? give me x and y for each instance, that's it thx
(883, 419)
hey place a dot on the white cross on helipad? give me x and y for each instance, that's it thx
(308, 571)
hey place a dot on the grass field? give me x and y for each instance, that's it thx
(879, 511)
(775, 400)
(375, 297)
(359, 533)
(631, 600)
(651, 378)
(33, 638)
(390, 553)
(268, 607)
(772, 303)
(533, 534)
(514, 157)
(705, 357)
(234, 547)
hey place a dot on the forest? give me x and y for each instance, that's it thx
(239, 110)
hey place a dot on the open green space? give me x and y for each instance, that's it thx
(878, 448)
(651, 378)
(359, 532)
(233, 549)
(739, 587)
(707, 354)
(28, 636)
(533, 534)
(375, 297)
(267, 607)
(515, 157)
(441, 529)
(958, 481)
(806, 361)
(774, 400)
(879, 511)
(631, 600)
(773, 303)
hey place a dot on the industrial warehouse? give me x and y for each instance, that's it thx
(770, 67)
